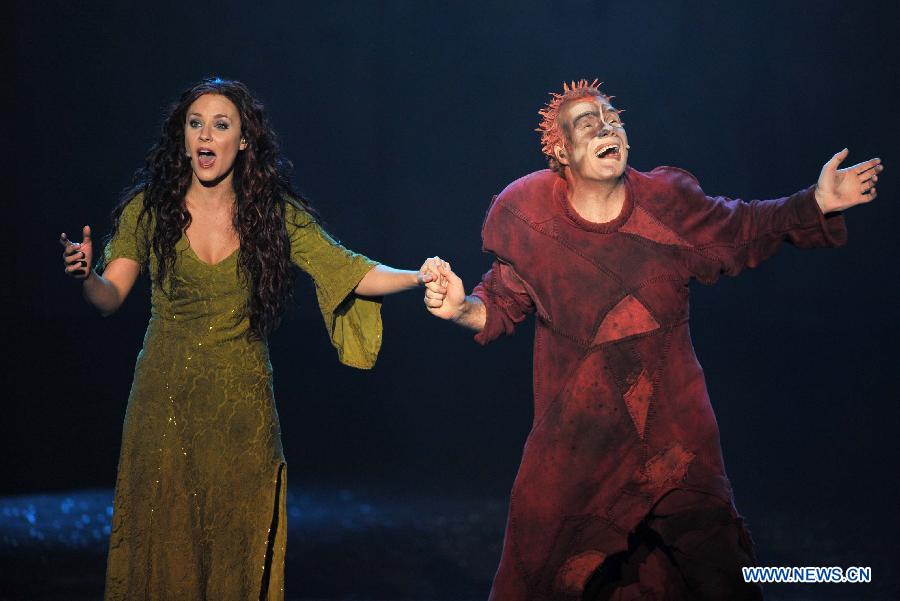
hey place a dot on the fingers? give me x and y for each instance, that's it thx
(436, 286)
(437, 295)
(836, 160)
(866, 170)
(451, 277)
(445, 272)
(434, 295)
(867, 174)
(74, 257)
(434, 303)
(431, 267)
(433, 263)
(85, 234)
(77, 269)
(438, 264)
(869, 191)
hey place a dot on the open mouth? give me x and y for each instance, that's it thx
(205, 158)
(609, 151)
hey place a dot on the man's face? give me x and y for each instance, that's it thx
(596, 143)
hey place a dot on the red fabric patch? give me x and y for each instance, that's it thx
(669, 465)
(638, 401)
(627, 318)
(574, 573)
(643, 224)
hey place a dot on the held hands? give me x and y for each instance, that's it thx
(430, 271)
(839, 189)
(78, 257)
(446, 297)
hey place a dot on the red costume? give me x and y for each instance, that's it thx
(621, 412)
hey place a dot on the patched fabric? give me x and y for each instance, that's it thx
(627, 318)
(638, 400)
(621, 412)
(645, 225)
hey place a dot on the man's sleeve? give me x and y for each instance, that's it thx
(506, 302)
(734, 234)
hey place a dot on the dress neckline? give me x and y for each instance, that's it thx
(186, 243)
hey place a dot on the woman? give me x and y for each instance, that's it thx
(200, 495)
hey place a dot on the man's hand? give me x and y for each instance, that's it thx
(446, 298)
(839, 189)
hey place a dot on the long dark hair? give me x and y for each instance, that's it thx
(262, 187)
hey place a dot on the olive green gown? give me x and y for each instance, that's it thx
(200, 495)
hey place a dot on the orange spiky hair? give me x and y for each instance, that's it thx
(551, 131)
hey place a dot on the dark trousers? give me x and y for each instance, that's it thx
(690, 547)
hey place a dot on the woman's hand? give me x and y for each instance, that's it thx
(78, 257)
(105, 292)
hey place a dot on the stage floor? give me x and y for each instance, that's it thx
(377, 546)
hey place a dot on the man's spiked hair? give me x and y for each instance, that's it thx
(551, 130)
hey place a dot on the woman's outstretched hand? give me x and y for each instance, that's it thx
(78, 257)
(839, 189)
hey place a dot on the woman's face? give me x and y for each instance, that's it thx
(212, 138)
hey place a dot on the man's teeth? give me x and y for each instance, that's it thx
(608, 149)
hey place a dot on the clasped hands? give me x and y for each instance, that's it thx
(444, 293)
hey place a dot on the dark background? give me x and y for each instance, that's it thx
(402, 119)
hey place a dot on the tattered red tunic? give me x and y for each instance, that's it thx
(621, 412)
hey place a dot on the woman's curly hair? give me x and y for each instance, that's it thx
(261, 186)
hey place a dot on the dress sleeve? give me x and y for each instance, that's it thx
(131, 240)
(506, 299)
(353, 322)
(734, 234)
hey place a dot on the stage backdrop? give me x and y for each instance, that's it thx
(402, 120)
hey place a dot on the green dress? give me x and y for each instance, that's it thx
(199, 510)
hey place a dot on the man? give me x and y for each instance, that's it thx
(622, 491)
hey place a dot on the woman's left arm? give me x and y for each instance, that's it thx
(382, 280)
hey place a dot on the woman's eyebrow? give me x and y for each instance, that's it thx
(214, 116)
